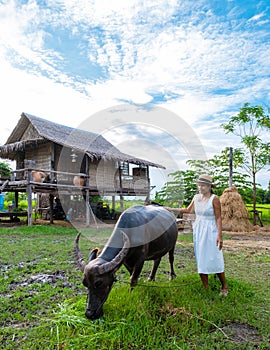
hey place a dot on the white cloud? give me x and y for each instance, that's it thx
(128, 90)
(211, 64)
(256, 17)
(24, 92)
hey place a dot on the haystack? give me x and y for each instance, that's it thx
(233, 211)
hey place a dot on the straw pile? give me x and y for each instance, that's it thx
(233, 211)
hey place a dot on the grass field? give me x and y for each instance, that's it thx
(43, 300)
(264, 211)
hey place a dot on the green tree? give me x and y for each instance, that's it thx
(250, 124)
(5, 170)
(218, 168)
(180, 190)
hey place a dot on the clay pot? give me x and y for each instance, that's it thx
(78, 181)
(38, 176)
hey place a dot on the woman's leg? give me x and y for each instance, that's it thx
(222, 279)
(204, 279)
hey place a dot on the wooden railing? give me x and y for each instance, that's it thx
(49, 176)
(61, 178)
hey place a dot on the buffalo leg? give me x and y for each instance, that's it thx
(154, 269)
(135, 274)
(171, 259)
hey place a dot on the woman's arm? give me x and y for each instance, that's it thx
(187, 210)
(217, 211)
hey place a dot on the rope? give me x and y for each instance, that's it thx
(158, 286)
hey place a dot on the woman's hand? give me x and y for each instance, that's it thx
(219, 242)
(168, 208)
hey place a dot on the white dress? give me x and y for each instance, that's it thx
(209, 258)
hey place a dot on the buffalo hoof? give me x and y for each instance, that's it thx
(172, 276)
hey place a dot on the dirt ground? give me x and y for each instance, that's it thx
(257, 239)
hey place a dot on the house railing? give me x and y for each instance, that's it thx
(134, 182)
(61, 178)
(34, 175)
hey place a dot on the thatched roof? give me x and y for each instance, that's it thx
(92, 144)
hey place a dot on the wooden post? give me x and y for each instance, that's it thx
(113, 202)
(148, 183)
(121, 203)
(51, 198)
(120, 177)
(87, 185)
(231, 167)
(52, 169)
(37, 205)
(29, 197)
(16, 199)
(87, 209)
(30, 209)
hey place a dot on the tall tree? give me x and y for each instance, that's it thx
(179, 190)
(250, 124)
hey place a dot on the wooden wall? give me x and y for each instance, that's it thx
(41, 155)
(103, 173)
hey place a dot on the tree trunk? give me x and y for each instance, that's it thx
(254, 198)
(231, 167)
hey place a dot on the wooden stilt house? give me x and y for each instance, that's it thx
(65, 162)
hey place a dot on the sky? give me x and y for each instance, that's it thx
(156, 78)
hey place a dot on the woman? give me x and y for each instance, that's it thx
(207, 232)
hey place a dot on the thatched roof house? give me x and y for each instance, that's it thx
(31, 131)
(62, 154)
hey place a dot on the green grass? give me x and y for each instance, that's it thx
(49, 314)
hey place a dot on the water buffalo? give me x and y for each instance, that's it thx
(141, 233)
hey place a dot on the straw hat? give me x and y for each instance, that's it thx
(206, 179)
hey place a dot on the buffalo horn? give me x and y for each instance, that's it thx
(93, 254)
(78, 256)
(111, 265)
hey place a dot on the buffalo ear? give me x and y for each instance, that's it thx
(93, 254)
(114, 264)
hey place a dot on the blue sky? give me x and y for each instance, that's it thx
(200, 61)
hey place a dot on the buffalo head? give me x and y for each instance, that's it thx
(98, 276)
